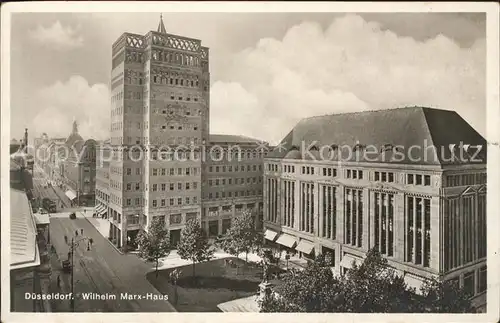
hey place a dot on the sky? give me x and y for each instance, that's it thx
(268, 70)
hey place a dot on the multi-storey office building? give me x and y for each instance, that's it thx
(160, 104)
(233, 182)
(410, 182)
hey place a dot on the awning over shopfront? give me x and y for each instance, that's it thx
(270, 235)
(305, 246)
(70, 194)
(100, 209)
(414, 282)
(348, 260)
(286, 240)
(42, 218)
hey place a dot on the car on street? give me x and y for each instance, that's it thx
(42, 211)
(72, 215)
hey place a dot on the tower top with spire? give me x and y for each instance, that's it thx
(161, 26)
(75, 127)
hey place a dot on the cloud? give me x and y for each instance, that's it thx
(57, 36)
(63, 102)
(353, 65)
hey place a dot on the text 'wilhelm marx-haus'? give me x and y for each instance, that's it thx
(160, 97)
(398, 180)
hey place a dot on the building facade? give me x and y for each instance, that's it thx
(30, 267)
(71, 164)
(409, 182)
(156, 164)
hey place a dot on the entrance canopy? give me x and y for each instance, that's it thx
(349, 260)
(286, 240)
(70, 194)
(305, 246)
(270, 235)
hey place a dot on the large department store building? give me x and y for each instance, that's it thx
(343, 184)
(161, 160)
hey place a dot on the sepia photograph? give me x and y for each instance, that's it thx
(221, 158)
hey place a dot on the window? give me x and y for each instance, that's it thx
(469, 283)
(418, 227)
(482, 279)
(179, 186)
(129, 186)
(409, 179)
(179, 201)
(171, 186)
(427, 180)
(154, 203)
(353, 217)
(155, 187)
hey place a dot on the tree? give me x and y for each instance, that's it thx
(154, 243)
(314, 289)
(372, 287)
(444, 297)
(194, 244)
(241, 236)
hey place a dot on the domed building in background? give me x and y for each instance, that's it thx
(70, 164)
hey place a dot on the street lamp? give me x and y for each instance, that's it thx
(73, 245)
(174, 277)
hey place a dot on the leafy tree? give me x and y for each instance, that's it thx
(194, 244)
(241, 236)
(443, 297)
(314, 289)
(371, 287)
(154, 243)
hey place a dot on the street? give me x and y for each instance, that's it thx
(103, 270)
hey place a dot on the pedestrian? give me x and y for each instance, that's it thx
(84, 211)
(76, 233)
(91, 241)
(58, 281)
(81, 231)
(69, 255)
(66, 238)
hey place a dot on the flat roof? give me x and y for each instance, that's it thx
(23, 246)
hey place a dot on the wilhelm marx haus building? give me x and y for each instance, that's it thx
(161, 160)
(343, 184)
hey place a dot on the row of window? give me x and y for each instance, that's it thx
(387, 177)
(159, 79)
(179, 171)
(188, 200)
(465, 179)
(229, 181)
(417, 218)
(469, 282)
(175, 58)
(241, 168)
(171, 186)
(418, 179)
(234, 194)
(213, 211)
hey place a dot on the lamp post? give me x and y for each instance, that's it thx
(74, 244)
(174, 276)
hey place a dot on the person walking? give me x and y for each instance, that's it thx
(58, 281)
(76, 233)
(81, 232)
(66, 238)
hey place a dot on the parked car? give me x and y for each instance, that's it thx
(72, 216)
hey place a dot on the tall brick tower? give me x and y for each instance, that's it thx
(159, 110)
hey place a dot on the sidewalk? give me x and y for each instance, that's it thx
(59, 305)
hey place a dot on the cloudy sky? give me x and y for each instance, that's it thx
(267, 70)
